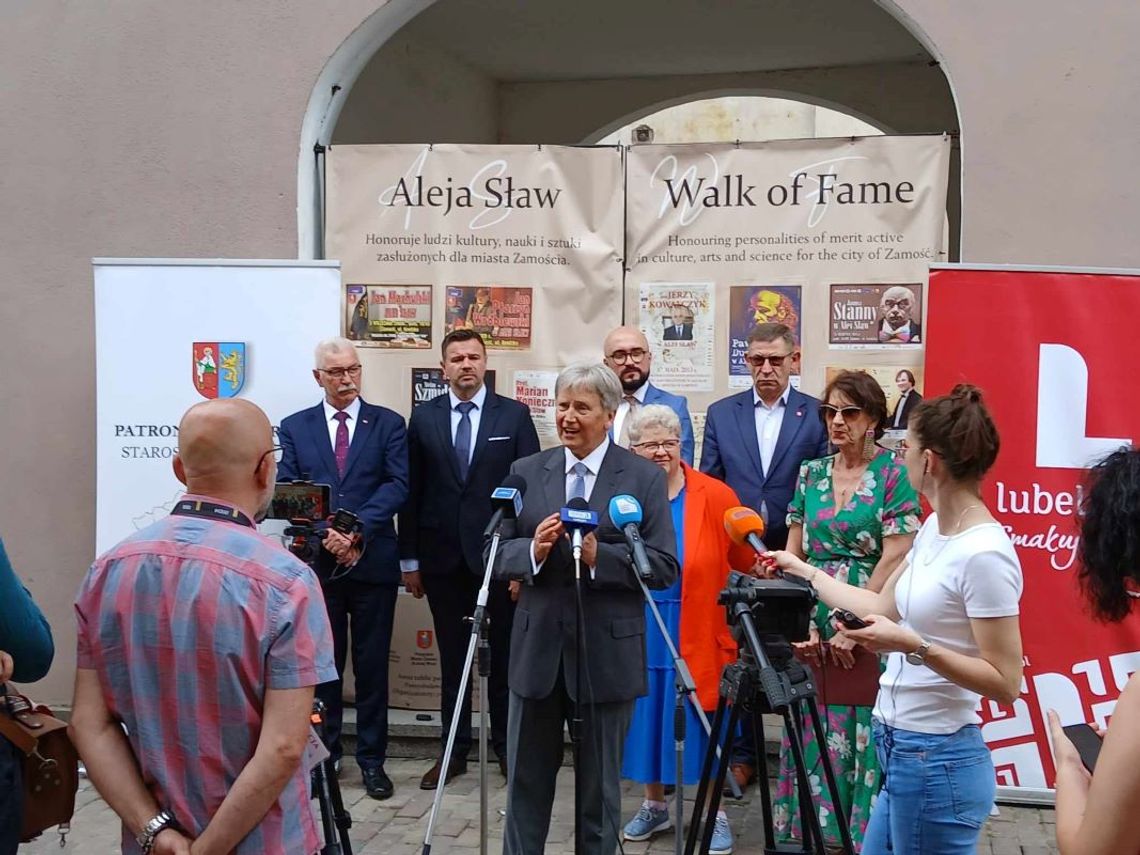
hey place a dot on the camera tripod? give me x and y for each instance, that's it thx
(335, 820)
(766, 678)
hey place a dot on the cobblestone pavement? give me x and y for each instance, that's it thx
(398, 824)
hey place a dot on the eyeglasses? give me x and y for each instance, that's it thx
(757, 361)
(277, 451)
(623, 356)
(664, 445)
(341, 372)
(827, 412)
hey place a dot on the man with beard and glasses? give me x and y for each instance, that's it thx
(626, 352)
(200, 642)
(361, 450)
(460, 448)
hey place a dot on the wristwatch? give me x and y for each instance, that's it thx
(918, 657)
(157, 823)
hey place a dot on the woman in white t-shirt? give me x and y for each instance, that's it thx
(1099, 814)
(948, 620)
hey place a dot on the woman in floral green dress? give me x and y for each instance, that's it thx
(854, 515)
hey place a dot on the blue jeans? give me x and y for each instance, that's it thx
(938, 791)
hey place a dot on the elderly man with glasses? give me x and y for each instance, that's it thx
(627, 354)
(361, 451)
(755, 442)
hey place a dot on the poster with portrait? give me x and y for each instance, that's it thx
(750, 305)
(895, 381)
(535, 388)
(429, 383)
(397, 316)
(875, 316)
(501, 315)
(677, 319)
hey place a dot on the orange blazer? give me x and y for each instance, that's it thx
(706, 643)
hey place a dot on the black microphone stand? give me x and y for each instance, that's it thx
(576, 730)
(479, 624)
(685, 687)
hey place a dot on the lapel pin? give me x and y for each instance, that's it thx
(799, 414)
(365, 421)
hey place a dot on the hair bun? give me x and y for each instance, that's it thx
(967, 392)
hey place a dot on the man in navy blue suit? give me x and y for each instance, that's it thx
(627, 354)
(460, 448)
(361, 451)
(755, 442)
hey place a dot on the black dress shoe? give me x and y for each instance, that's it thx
(430, 780)
(377, 784)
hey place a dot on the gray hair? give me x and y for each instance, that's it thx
(593, 377)
(336, 344)
(654, 415)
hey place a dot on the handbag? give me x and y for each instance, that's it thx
(846, 687)
(49, 763)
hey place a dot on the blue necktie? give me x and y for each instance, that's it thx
(463, 438)
(578, 485)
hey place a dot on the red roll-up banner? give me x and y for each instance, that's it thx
(1052, 349)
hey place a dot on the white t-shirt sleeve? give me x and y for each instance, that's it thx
(991, 583)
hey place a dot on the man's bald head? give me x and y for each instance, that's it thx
(220, 445)
(626, 352)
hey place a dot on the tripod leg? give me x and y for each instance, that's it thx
(762, 780)
(829, 775)
(809, 817)
(718, 747)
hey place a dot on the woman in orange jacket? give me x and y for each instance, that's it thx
(694, 619)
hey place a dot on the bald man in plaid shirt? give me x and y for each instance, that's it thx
(205, 639)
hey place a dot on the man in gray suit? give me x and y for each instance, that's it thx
(543, 660)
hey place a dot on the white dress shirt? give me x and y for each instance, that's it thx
(593, 462)
(475, 415)
(353, 411)
(623, 407)
(899, 407)
(768, 421)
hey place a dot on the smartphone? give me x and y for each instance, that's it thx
(849, 619)
(1087, 740)
(345, 521)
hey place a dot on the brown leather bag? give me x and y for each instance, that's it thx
(846, 687)
(50, 764)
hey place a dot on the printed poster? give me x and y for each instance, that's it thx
(750, 305)
(397, 316)
(429, 383)
(893, 380)
(536, 390)
(875, 316)
(500, 315)
(677, 319)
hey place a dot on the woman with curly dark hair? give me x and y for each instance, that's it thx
(1101, 813)
(948, 618)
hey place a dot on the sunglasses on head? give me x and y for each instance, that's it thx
(827, 412)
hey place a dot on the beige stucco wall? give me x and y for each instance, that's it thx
(167, 129)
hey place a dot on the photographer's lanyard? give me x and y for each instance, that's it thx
(210, 511)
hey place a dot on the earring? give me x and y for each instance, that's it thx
(869, 444)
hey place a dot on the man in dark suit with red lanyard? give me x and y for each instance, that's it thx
(460, 448)
(361, 451)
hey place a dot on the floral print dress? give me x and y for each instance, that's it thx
(847, 545)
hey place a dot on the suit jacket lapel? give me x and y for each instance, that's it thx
(606, 482)
(320, 436)
(364, 427)
(746, 421)
(441, 416)
(554, 484)
(794, 414)
(487, 420)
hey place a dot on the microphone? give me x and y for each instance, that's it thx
(625, 511)
(745, 527)
(507, 500)
(579, 520)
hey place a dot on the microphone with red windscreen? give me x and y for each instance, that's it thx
(745, 528)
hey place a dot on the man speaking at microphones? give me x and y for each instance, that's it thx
(544, 668)
(460, 447)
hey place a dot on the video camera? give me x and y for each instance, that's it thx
(780, 607)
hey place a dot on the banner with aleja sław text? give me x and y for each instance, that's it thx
(830, 237)
(1046, 347)
(520, 243)
(169, 334)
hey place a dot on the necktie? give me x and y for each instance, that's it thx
(340, 449)
(578, 485)
(623, 436)
(463, 438)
